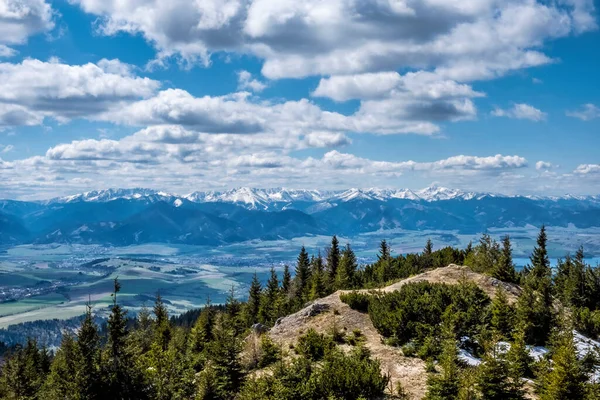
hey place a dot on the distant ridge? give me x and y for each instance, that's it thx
(264, 199)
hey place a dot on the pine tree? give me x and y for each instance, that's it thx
(302, 278)
(383, 265)
(253, 304)
(494, 378)
(428, 250)
(88, 344)
(269, 309)
(224, 360)
(202, 332)
(446, 385)
(162, 330)
(539, 258)
(566, 378)
(318, 278)
(233, 312)
(62, 382)
(347, 269)
(122, 379)
(519, 360)
(286, 280)
(504, 269)
(502, 313)
(333, 259)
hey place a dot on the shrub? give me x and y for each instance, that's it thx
(357, 301)
(313, 345)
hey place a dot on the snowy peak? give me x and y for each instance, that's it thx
(436, 193)
(281, 198)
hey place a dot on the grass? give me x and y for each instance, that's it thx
(30, 303)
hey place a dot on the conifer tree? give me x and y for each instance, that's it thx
(519, 360)
(122, 379)
(566, 378)
(428, 250)
(383, 265)
(269, 309)
(233, 312)
(318, 279)
(302, 278)
(347, 269)
(62, 382)
(333, 258)
(224, 361)
(253, 304)
(502, 313)
(162, 330)
(540, 263)
(504, 269)
(286, 280)
(494, 378)
(88, 345)
(446, 385)
(202, 332)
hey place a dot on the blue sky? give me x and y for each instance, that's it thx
(482, 95)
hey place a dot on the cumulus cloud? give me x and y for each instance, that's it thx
(6, 51)
(587, 169)
(20, 19)
(246, 82)
(34, 89)
(239, 113)
(463, 40)
(521, 111)
(543, 165)
(587, 112)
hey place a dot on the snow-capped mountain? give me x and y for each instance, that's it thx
(128, 216)
(114, 194)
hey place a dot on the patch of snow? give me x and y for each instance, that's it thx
(468, 358)
(178, 203)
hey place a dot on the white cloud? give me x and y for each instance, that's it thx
(587, 169)
(6, 51)
(543, 165)
(238, 113)
(463, 40)
(33, 89)
(20, 19)
(246, 82)
(587, 112)
(521, 111)
(6, 149)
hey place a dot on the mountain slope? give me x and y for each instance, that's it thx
(409, 371)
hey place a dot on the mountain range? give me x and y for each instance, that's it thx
(130, 216)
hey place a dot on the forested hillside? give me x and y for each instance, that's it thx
(518, 335)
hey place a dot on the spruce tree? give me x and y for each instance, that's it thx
(318, 279)
(504, 269)
(566, 378)
(302, 278)
(347, 269)
(333, 259)
(494, 378)
(122, 381)
(224, 361)
(540, 263)
(162, 328)
(88, 344)
(253, 304)
(502, 313)
(202, 331)
(62, 382)
(269, 309)
(428, 250)
(446, 385)
(286, 280)
(518, 357)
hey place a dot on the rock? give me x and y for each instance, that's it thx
(316, 309)
(259, 328)
(278, 321)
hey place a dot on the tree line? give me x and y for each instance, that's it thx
(206, 354)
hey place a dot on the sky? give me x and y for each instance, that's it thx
(188, 95)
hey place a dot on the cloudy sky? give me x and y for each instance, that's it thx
(185, 95)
